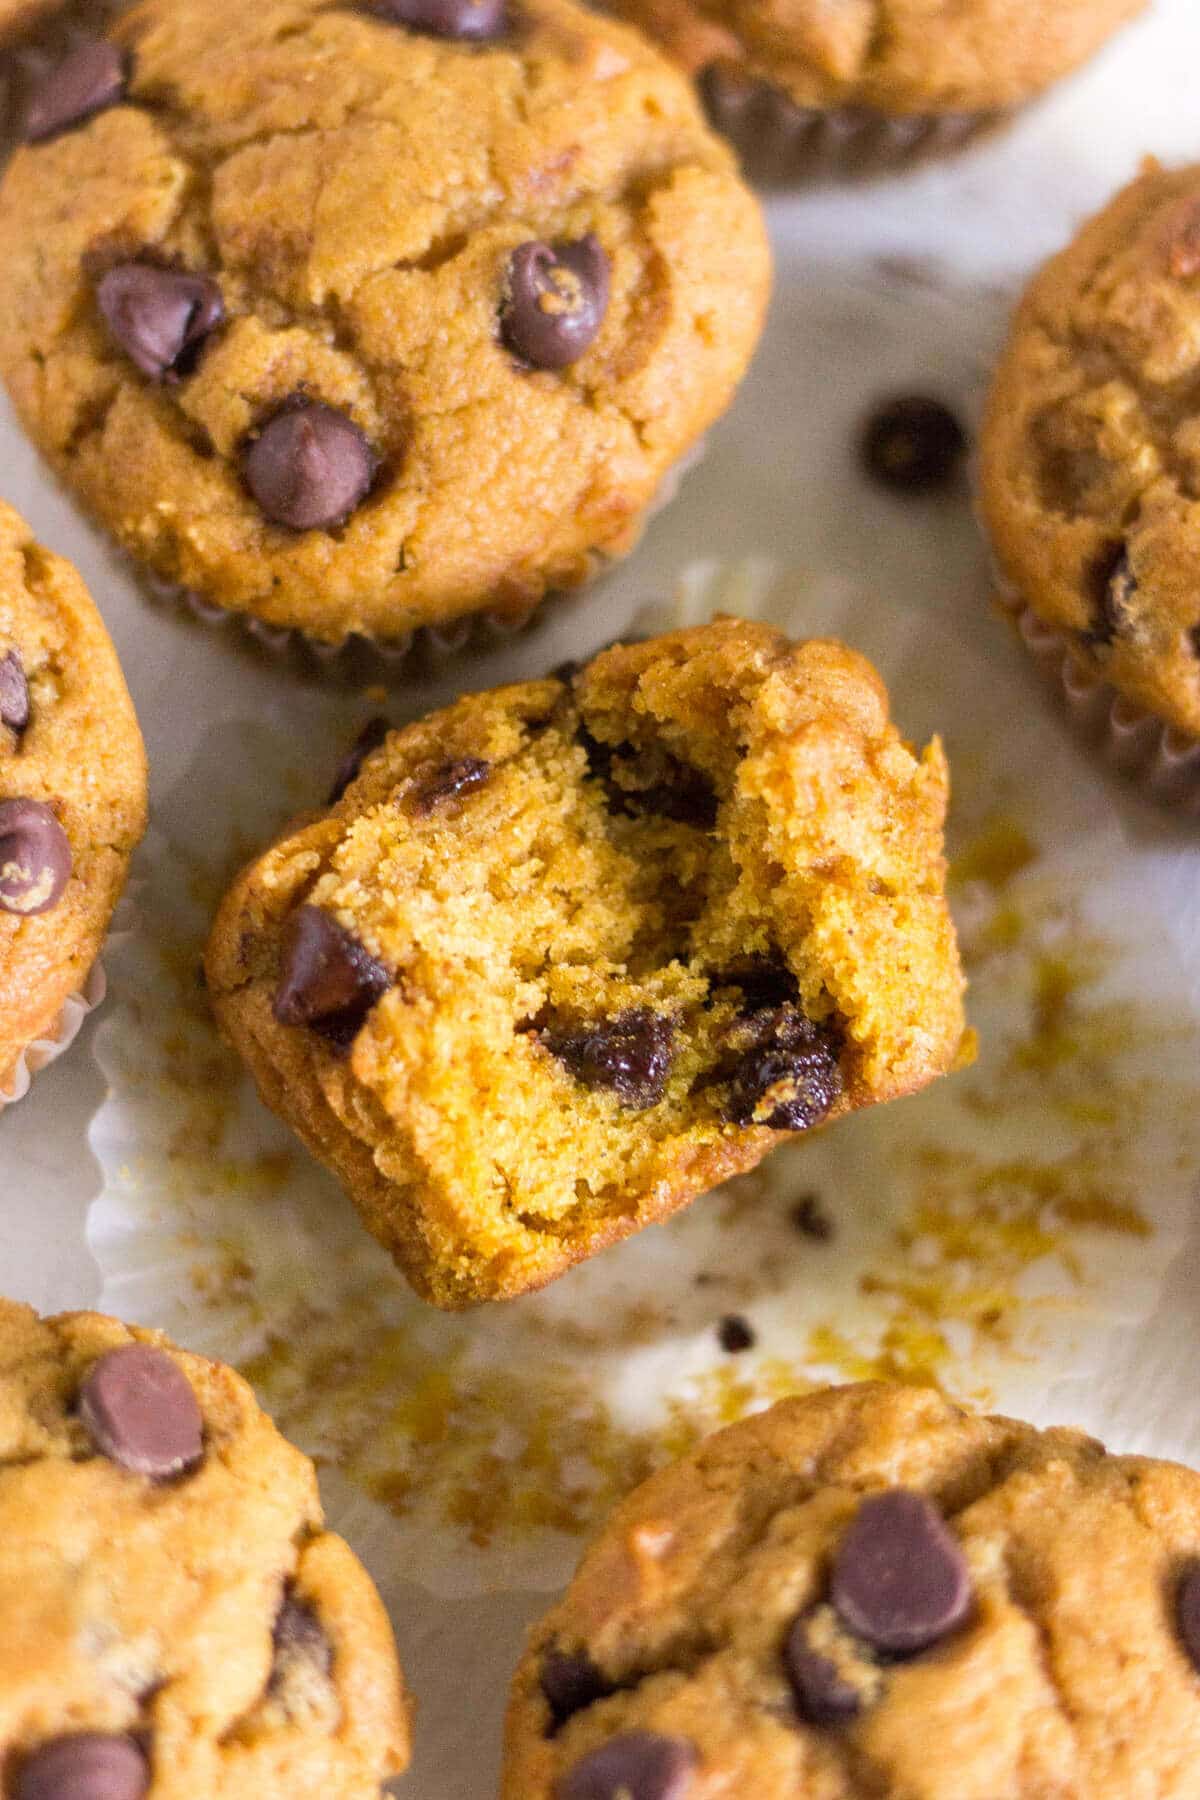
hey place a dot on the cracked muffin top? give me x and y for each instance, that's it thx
(174, 1619)
(358, 319)
(1090, 453)
(870, 1592)
(891, 56)
(72, 786)
(568, 954)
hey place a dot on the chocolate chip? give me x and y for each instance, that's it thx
(823, 1694)
(912, 444)
(369, 738)
(900, 1580)
(14, 692)
(557, 295)
(94, 76)
(466, 21)
(159, 317)
(309, 466)
(689, 798)
(810, 1220)
(298, 1637)
(640, 1765)
(35, 858)
(138, 1408)
(90, 1765)
(659, 783)
(631, 1054)
(735, 1334)
(783, 1071)
(1111, 585)
(765, 983)
(1187, 1612)
(570, 1681)
(451, 781)
(327, 980)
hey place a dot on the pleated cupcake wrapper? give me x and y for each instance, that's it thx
(46, 42)
(779, 141)
(42, 1051)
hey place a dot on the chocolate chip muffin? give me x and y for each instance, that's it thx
(870, 1591)
(570, 953)
(72, 788)
(364, 318)
(174, 1618)
(1090, 476)
(796, 81)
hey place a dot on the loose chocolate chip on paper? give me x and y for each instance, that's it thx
(89, 1765)
(785, 1072)
(309, 466)
(735, 1334)
(139, 1410)
(557, 296)
(630, 1053)
(465, 21)
(14, 692)
(823, 1694)
(640, 1765)
(1187, 1612)
(327, 980)
(811, 1220)
(912, 444)
(900, 1580)
(452, 781)
(570, 1682)
(35, 858)
(94, 76)
(159, 317)
(348, 770)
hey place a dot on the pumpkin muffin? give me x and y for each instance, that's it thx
(872, 1592)
(567, 954)
(72, 792)
(1090, 478)
(357, 319)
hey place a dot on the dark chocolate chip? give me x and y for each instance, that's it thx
(159, 317)
(35, 858)
(735, 1334)
(823, 1694)
(452, 781)
(688, 797)
(14, 692)
(900, 1580)
(94, 76)
(810, 1220)
(309, 466)
(677, 791)
(784, 1072)
(368, 740)
(765, 983)
(631, 1054)
(466, 21)
(557, 296)
(1111, 587)
(298, 1636)
(90, 1765)
(570, 1682)
(327, 980)
(139, 1410)
(640, 1765)
(1187, 1612)
(912, 444)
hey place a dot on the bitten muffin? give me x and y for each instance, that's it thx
(174, 1618)
(72, 787)
(1090, 454)
(872, 1592)
(570, 953)
(363, 318)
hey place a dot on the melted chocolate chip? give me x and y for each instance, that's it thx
(35, 858)
(298, 1637)
(823, 1694)
(327, 980)
(1187, 1612)
(466, 21)
(452, 781)
(14, 692)
(139, 1410)
(94, 76)
(640, 1765)
(765, 983)
(90, 1765)
(159, 317)
(1111, 587)
(675, 790)
(736, 1334)
(369, 739)
(912, 444)
(557, 296)
(631, 1054)
(309, 467)
(900, 1580)
(782, 1069)
(570, 1682)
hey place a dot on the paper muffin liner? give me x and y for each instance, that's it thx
(779, 141)
(34, 53)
